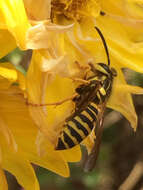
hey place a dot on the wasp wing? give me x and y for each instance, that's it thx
(92, 157)
(86, 93)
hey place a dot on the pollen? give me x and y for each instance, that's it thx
(71, 9)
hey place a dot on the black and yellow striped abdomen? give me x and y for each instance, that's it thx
(88, 107)
(78, 128)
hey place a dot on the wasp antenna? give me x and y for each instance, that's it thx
(104, 43)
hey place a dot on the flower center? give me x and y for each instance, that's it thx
(71, 9)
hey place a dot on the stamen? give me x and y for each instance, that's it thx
(71, 9)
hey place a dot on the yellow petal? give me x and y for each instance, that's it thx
(13, 103)
(114, 7)
(15, 19)
(121, 100)
(46, 126)
(50, 119)
(131, 89)
(124, 40)
(134, 8)
(93, 8)
(33, 8)
(45, 35)
(45, 155)
(90, 141)
(21, 80)
(0, 155)
(3, 182)
(128, 59)
(21, 169)
(45, 91)
(60, 165)
(8, 75)
(72, 155)
(7, 43)
(6, 132)
(128, 9)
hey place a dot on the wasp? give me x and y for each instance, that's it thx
(90, 104)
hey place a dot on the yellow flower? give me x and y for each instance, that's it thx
(42, 152)
(20, 139)
(82, 44)
(122, 30)
(62, 34)
(22, 28)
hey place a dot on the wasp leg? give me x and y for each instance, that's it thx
(79, 80)
(85, 68)
(92, 67)
(81, 67)
(83, 89)
(54, 103)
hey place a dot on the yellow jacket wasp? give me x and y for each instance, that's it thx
(90, 104)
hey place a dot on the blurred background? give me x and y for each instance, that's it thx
(120, 161)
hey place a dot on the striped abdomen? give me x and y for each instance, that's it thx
(80, 125)
(78, 128)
